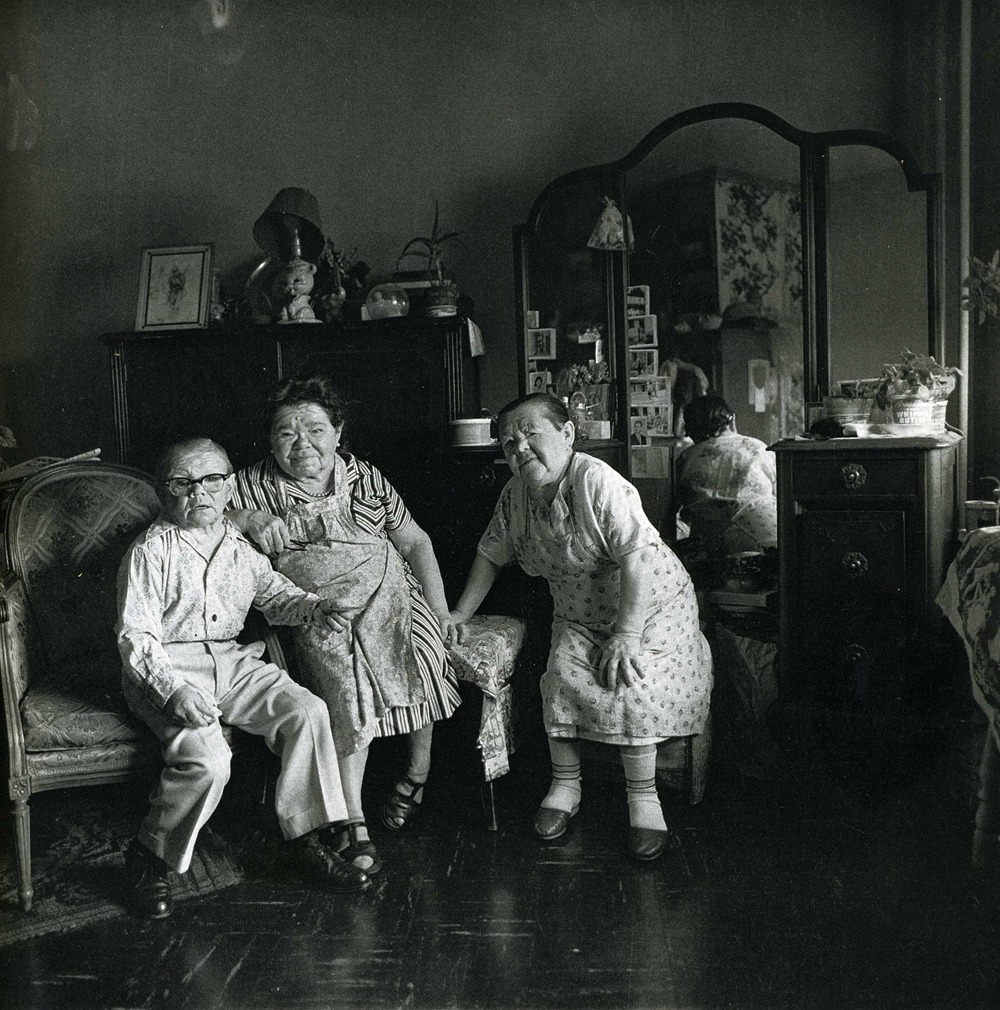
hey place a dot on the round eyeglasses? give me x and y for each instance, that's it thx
(180, 486)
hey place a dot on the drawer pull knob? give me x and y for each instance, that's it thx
(855, 653)
(854, 475)
(855, 563)
(487, 476)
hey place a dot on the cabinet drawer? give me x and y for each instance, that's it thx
(845, 475)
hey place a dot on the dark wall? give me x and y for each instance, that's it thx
(159, 128)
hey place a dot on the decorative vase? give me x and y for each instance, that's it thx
(598, 400)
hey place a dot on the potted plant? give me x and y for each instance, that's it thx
(442, 296)
(981, 289)
(915, 390)
(850, 400)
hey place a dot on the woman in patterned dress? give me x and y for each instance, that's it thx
(336, 526)
(628, 665)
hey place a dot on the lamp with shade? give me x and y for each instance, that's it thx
(290, 231)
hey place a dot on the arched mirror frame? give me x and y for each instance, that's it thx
(814, 160)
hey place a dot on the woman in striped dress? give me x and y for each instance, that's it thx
(335, 526)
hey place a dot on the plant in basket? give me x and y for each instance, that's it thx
(916, 389)
(918, 377)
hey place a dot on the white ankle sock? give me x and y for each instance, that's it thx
(565, 789)
(644, 810)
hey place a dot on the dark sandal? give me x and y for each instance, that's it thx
(357, 851)
(398, 808)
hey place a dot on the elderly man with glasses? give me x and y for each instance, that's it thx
(184, 590)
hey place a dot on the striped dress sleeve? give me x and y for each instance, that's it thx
(375, 503)
(256, 488)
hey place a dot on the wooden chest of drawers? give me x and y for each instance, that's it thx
(866, 529)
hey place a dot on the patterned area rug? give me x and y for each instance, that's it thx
(78, 836)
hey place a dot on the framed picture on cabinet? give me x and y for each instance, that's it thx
(174, 288)
(542, 343)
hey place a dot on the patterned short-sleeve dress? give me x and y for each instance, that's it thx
(389, 674)
(576, 544)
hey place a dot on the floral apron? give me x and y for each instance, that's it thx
(673, 697)
(370, 667)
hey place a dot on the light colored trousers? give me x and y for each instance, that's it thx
(254, 696)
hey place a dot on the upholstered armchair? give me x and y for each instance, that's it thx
(67, 529)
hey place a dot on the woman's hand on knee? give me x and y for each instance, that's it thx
(191, 708)
(619, 662)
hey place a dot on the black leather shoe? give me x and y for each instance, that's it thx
(552, 824)
(324, 867)
(148, 883)
(646, 844)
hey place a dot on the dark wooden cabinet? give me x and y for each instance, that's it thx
(452, 495)
(403, 380)
(866, 529)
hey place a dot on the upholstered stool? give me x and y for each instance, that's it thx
(487, 660)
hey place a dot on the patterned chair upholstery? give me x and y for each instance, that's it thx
(67, 529)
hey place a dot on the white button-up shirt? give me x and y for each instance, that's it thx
(168, 591)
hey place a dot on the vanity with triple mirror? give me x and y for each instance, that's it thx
(773, 261)
(732, 252)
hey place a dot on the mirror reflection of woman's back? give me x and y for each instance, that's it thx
(725, 485)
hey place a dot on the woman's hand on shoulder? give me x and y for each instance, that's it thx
(619, 663)
(454, 628)
(267, 531)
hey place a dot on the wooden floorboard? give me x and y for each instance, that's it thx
(846, 885)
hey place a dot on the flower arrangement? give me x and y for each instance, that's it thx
(917, 376)
(981, 289)
(589, 375)
(341, 279)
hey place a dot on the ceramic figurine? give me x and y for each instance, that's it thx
(291, 289)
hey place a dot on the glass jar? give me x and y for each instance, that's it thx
(385, 301)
